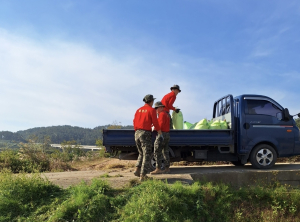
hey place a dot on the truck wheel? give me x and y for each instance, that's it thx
(263, 157)
(237, 163)
(153, 163)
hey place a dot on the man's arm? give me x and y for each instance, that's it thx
(171, 102)
(160, 119)
(134, 121)
(155, 121)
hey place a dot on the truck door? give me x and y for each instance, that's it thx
(263, 123)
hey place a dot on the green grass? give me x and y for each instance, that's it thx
(32, 198)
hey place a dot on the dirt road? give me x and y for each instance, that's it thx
(120, 176)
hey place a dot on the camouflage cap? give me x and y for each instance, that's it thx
(158, 104)
(148, 98)
(176, 87)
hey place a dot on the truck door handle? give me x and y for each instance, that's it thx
(246, 125)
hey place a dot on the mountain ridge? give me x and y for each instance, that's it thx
(60, 133)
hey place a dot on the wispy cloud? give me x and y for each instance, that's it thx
(58, 82)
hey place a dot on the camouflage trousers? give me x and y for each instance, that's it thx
(161, 150)
(171, 122)
(144, 146)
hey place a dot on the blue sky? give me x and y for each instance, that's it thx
(90, 63)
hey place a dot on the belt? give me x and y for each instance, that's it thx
(144, 130)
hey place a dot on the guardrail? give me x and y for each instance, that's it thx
(85, 147)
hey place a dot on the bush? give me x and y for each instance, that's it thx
(32, 198)
(21, 195)
(33, 157)
(85, 203)
(158, 201)
(298, 122)
(10, 160)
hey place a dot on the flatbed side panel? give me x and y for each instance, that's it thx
(118, 137)
(178, 137)
(200, 137)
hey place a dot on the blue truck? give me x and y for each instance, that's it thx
(259, 131)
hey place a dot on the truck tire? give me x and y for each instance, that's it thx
(237, 163)
(153, 162)
(263, 157)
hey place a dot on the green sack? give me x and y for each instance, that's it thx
(187, 125)
(177, 119)
(215, 125)
(193, 126)
(202, 124)
(224, 124)
(210, 122)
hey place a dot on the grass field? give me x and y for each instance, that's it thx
(32, 198)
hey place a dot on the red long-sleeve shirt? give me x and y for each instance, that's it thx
(168, 101)
(144, 118)
(164, 121)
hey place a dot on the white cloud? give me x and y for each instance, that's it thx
(56, 82)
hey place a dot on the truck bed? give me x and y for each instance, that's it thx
(125, 137)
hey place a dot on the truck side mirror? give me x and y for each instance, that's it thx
(286, 114)
(279, 116)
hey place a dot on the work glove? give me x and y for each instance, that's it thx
(177, 110)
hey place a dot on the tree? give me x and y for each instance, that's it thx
(115, 125)
(298, 122)
(99, 142)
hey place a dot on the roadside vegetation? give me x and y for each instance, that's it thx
(41, 157)
(298, 122)
(32, 198)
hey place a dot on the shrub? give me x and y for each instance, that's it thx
(9, 159)
(21, 195)
(157, 201)
(32, 198)
(85, 203)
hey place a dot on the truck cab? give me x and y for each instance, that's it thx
(265, 130)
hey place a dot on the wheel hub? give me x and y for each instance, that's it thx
(153, 163)
(264, 157)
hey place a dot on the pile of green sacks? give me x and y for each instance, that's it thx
(204, 124)
(178, 123)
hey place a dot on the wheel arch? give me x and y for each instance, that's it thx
(264, 142)
(268, 143)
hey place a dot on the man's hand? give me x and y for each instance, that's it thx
(177, 110)
(159, 132)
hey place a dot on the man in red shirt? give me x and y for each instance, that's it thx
(161, 144)
(168, 101)
(143, 120)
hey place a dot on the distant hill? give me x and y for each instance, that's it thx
(58, 134)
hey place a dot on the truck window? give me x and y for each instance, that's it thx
(262, 107)
(223, 107)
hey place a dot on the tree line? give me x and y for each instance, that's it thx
(59, 134)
